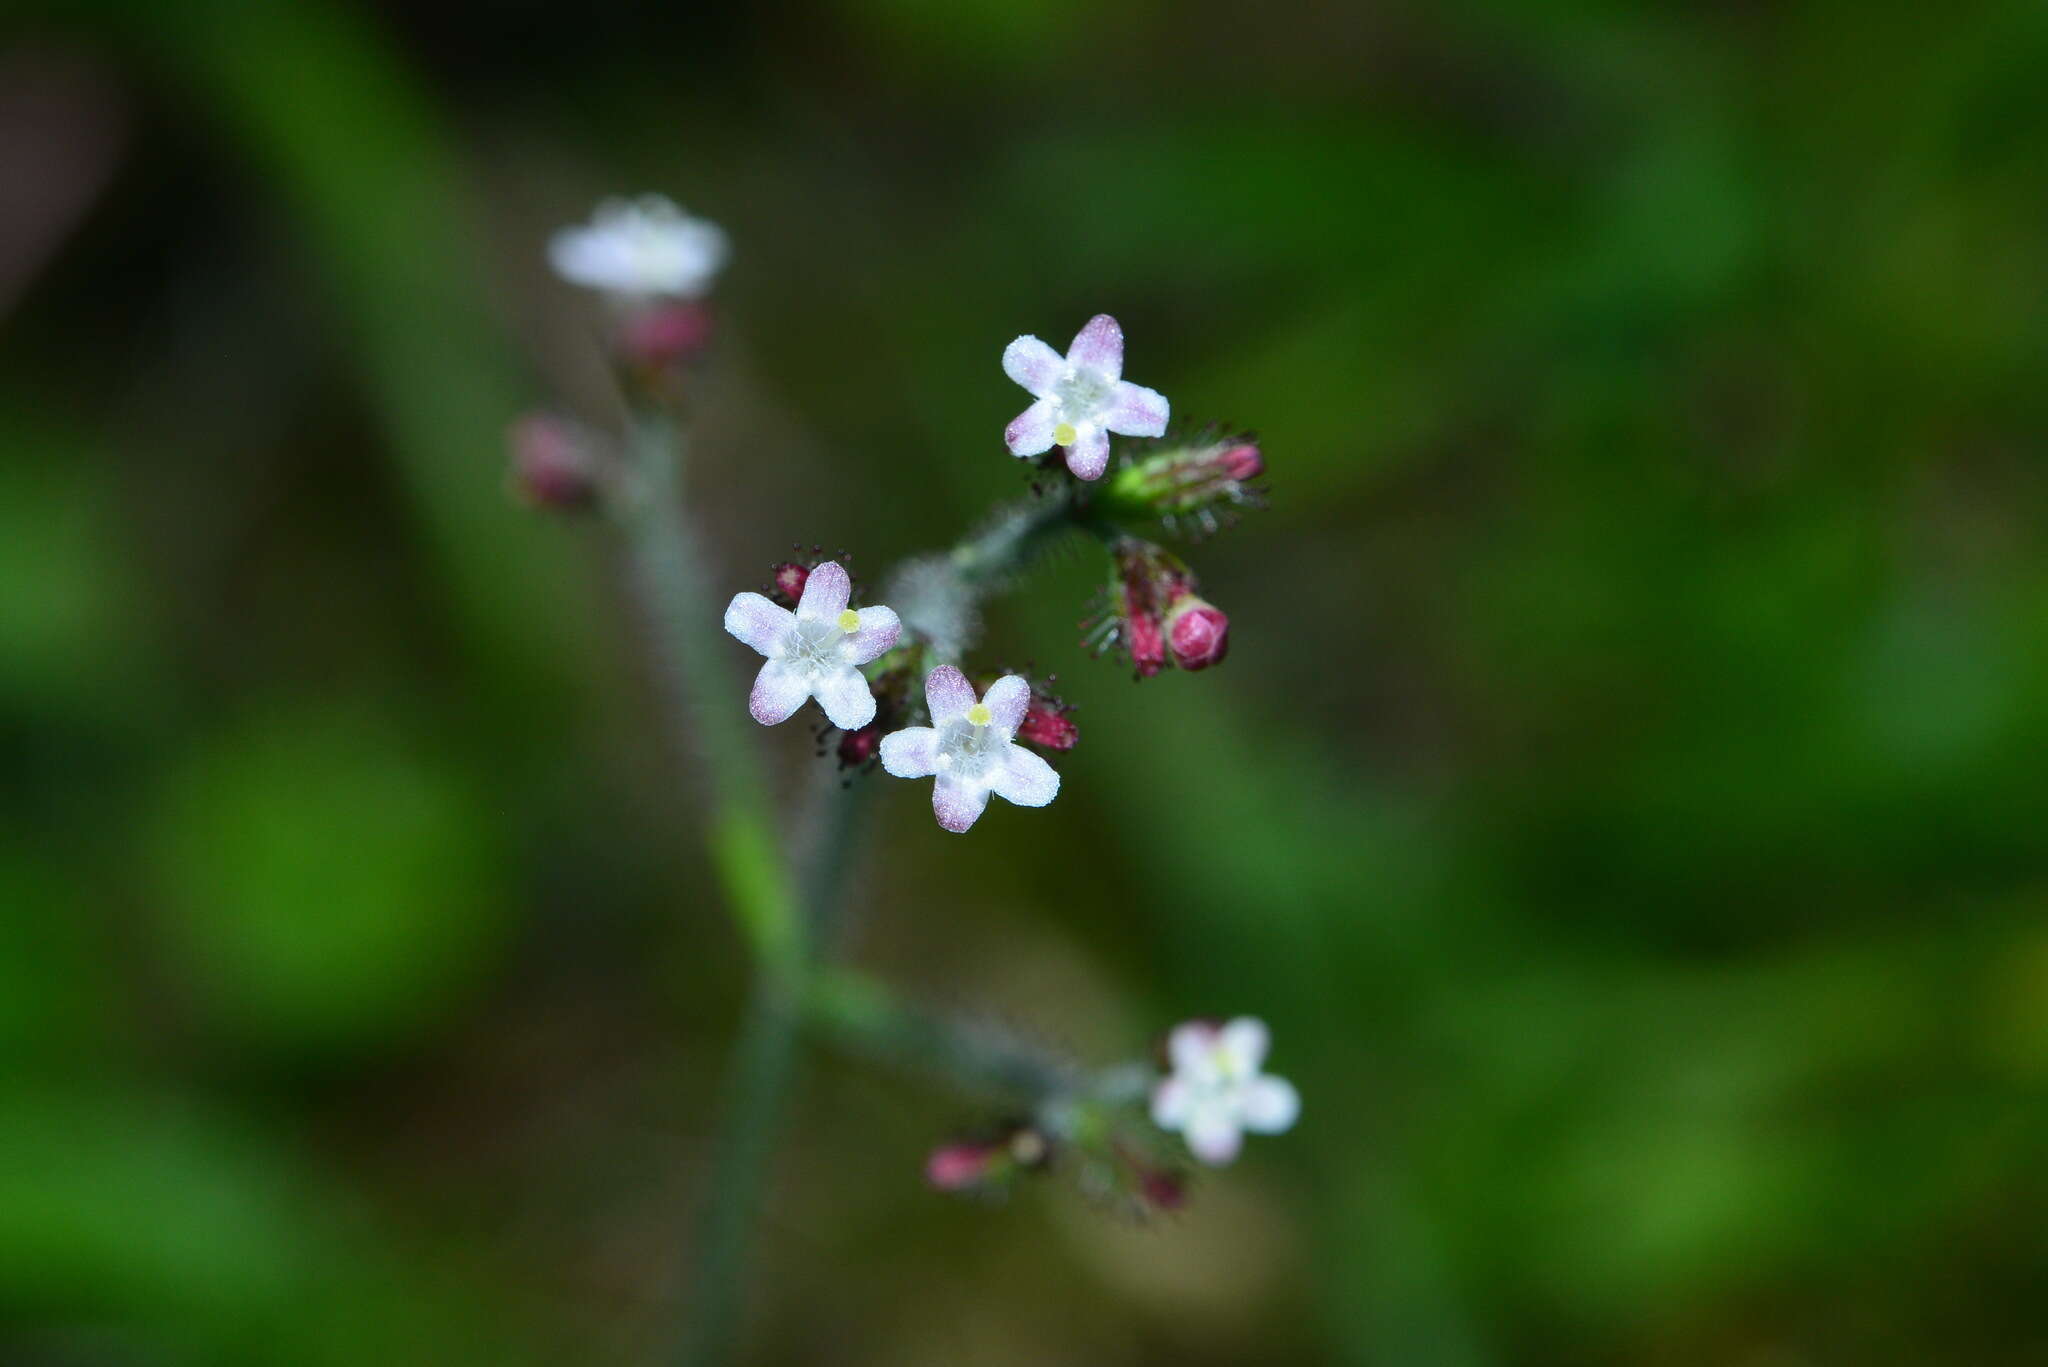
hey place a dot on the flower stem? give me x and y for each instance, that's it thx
(702, 696)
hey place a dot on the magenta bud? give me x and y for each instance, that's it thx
(1047, 725)
(1163, 1190)
(961, 1167)
(665, 334)
(1198, 632)
(554, 462)
(1242, 463)
(790, 579)
(859, 747)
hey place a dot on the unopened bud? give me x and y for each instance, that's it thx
(1187, 480)
(859, 747)
(1198, 632)
(554, 462)
(790, 579)
(1148, 579)
(962, 1167)
(664, 334)
(1047, 725)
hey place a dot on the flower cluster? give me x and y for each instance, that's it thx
(889, 679)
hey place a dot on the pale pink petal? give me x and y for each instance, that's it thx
(1032, 364)
(1088, 457)
(1099, 346)
(957, 804)
(1269, 1105)
(1137, 411)
(948, 694)
(876, 635)
(1031, 432)
(1244, 1043)
(1026, 779)
(757, 621)
(825, 592)
(1213, 1134)
(1007, 698)
(1192, 1049)
(844, 694)
(778, 691)
(1171, 1101)
(912, 752)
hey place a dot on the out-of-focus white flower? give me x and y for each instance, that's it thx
(1216, 1091)
(968, 748)
(639, 248)
(814, 652)
(1081, 398)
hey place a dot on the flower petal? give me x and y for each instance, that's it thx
(1032, 364)
(825, 592)
(1214, 1135)
(1243, 1044)
(1007, 698)
(1137, 411)
(1030, 433)
(957, 804)
(1026, 779)
(844, 694)
(876, 635)
(757, 621)
(1088, 457)
(1172, 1099)
(778, 691)
(1269, 1105)
(1192, 1049)
(948, 694)
(1099, 345)
(912, 752)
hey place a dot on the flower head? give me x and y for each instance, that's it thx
(1216, 1091)
(1081, 398)
(968, 748)
(814, 652)
(639, 248)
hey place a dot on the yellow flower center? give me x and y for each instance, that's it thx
(1065, 434)
(849, 620)
(980, 715)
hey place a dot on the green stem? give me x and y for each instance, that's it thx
(704, 698)
(867, 1017)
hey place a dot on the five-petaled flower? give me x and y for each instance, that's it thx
(640, 248)
(968, 748)
(1081, 398)
(1216, 1091)
(814, 652)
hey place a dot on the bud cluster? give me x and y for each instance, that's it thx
(1154, 614)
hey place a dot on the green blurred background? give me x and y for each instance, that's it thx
(1625, 795)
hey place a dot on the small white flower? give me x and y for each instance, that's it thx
(968, 748)
(641, 247)
(1082, 398)
(1216, 1091)
(814, 652)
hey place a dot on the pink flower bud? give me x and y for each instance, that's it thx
(554, 462)
(664, 334)
(1198, 632)
(1143, 639)
(1242, 463)
(962, 1167)
(1193, 482)
(790, 579)
(1047, 725)
(859, 747)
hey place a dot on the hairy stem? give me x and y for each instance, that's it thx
(868, 1018)
(704, 698)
